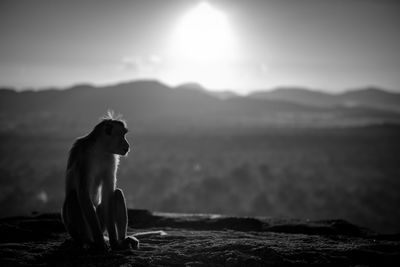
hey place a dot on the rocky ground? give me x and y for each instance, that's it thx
(203, 240)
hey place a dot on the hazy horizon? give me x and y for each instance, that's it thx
(327, 46)
(190, 84)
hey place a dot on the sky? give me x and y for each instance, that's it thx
(329, 45)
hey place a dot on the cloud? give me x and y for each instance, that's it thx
(142, 65)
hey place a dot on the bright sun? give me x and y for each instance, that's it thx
(203, 46)
(203, 34)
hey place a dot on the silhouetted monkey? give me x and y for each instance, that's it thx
(93, 203)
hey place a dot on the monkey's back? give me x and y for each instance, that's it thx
(87, 169)
(76, 166)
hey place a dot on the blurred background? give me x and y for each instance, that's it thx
(284, 109)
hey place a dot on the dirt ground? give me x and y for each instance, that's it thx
(202, 240)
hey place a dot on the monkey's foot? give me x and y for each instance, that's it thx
(132, 241)
(129, 242)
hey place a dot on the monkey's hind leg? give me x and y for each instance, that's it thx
(121, 222)
(73, 219)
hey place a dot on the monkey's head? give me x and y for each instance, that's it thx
(113, 137)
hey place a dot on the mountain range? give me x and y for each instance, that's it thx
(370, 97)
(152, 106)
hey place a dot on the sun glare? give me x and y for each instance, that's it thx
(203, 34)
(203, 44)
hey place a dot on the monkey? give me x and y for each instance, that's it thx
(93, 204)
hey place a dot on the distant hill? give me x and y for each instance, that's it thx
(152, 106)
(371, 97)
(367, 97)
(197, 87)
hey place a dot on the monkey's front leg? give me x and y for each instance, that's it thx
(121, 223)
(110, 218)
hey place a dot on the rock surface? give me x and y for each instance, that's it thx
(203, 240)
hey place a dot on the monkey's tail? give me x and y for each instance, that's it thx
(150, 233)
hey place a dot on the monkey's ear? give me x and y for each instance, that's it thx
(108, 128)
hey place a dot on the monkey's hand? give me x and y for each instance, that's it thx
(129, 242)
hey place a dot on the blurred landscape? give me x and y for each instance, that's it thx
(286, 153)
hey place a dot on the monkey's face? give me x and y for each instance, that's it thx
(115, 139)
